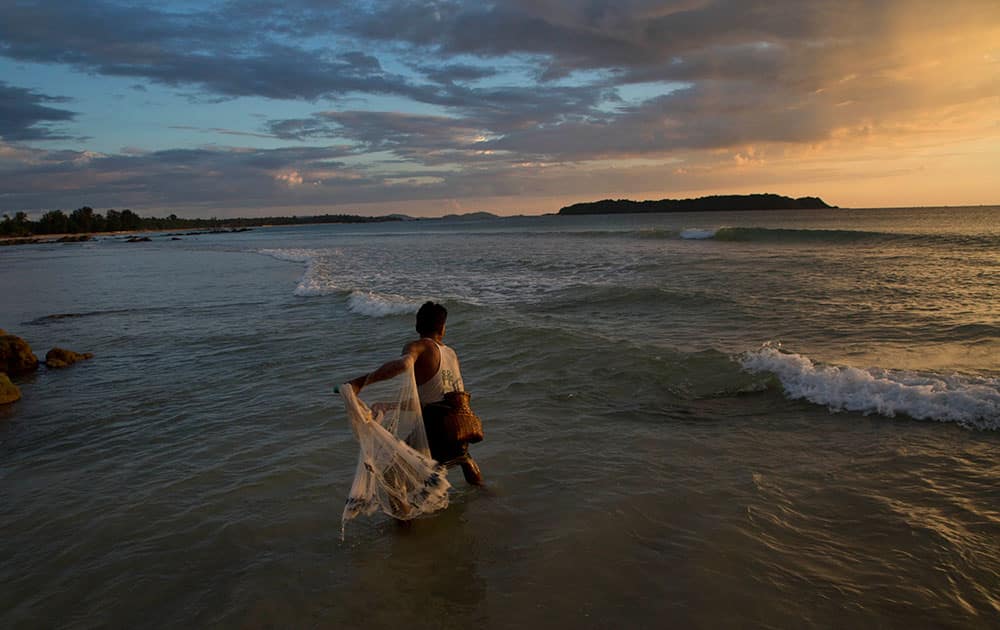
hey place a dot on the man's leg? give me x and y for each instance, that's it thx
(471, 471)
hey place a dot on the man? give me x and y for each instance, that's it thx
(436, 370)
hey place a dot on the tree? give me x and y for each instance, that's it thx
(21, 224)
(53, 222)
(99, 224)
(113, 221)
(82, 219)
(130, 220)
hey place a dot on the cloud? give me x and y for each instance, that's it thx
(237, 51)
(485, 93)
(379, 131)
(25, 115)
(456, 72)
(221, 131)
(211, 176)
(292, 179)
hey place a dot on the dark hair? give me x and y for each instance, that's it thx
(431, 318)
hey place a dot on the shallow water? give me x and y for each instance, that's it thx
(194, 472)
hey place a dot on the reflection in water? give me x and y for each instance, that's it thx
(425, 572)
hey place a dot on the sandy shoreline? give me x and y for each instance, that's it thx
(46, 239)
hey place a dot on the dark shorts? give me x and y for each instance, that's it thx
(443, 447)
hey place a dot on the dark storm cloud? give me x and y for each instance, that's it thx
(26, 115)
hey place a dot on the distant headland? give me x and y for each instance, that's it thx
(713, 203)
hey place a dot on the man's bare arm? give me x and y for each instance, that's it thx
(390, 368)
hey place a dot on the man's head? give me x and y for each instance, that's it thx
(431, 318)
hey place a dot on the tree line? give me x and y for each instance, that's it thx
(86, 220)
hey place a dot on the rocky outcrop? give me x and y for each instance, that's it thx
(758, 201)
(16, 356)
(8, 391)
(60, 357)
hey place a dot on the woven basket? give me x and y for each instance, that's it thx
(461, 421)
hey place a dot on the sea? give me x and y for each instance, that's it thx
(782, 419)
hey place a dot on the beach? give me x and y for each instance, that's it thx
(754, 419)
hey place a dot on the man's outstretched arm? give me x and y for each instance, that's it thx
(389, 369)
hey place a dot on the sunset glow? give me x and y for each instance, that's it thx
(232, 108)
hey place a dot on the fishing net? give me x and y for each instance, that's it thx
(395, 472)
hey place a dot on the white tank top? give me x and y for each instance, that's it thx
(447, 379)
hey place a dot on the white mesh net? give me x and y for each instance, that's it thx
(395, 472)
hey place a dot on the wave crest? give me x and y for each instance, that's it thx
(317, 279)
(381, 304)
(969, 401)
(290, 255)
(697, 234)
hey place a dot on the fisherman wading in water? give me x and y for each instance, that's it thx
(436, 371)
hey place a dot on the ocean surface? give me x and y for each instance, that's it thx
(755, 419)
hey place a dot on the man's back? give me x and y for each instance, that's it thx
(427, 359)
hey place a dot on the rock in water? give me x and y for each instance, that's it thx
(60, 357)
(16, 356)
(8, 391)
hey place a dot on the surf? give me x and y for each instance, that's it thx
(970, 401)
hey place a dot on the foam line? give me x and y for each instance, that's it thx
(967, 400)
(380, 305)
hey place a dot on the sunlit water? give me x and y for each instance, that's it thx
(752, 419)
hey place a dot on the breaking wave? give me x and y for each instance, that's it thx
(970, 401)
(790, 235)
(698, 234)
(317, 278)
(381, 305)
(777, 235)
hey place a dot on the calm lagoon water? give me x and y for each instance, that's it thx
(783, 419)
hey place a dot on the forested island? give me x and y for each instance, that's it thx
(713, 203)
(86, 221)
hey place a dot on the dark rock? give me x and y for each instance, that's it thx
(175, 238)
(8, 391)
(74, 239)
(16, 356)
(20, 241)
(60, 357)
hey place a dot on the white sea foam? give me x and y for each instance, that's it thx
(318, 276)
(698, 234)
(381, 305)
(970, 401)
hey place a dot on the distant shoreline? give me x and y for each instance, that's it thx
(83, 224)
(606, 206)
(81, 237)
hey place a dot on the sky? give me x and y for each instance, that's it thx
(278, 107)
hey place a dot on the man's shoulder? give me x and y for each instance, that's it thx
(419, 346)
